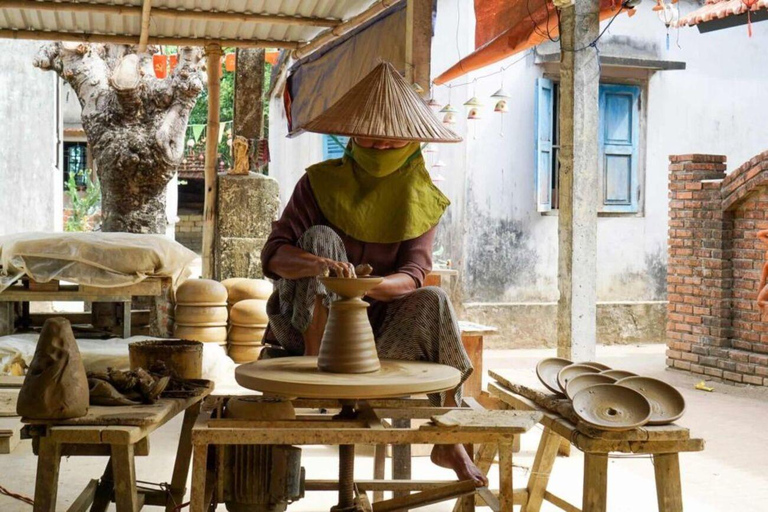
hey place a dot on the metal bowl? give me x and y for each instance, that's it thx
(611, 407)
(572, 371)
(667, 404)
(547, 370)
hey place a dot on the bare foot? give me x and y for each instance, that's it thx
(455, 457)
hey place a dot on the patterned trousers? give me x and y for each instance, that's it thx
(421, 326)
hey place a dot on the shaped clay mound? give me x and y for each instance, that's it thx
(667, 404)
(56, 387)
(547, 370)
(611, 407)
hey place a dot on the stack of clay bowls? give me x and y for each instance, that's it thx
(241, 288)
(608, 399)
(247, 322)
(201, 311)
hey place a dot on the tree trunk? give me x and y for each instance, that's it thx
(135, 124)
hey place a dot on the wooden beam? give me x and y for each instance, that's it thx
(418, 44)
(146, 8)
(136, 10)
(213, 56)
(344, 27)
(40, 35)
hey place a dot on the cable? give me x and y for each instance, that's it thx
(20, 497)
(593, 44)
(501, 70)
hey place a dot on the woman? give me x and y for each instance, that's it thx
(376, 205)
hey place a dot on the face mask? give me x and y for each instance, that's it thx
(382, 162)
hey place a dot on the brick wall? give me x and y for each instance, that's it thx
(189, 230)
(714, 326)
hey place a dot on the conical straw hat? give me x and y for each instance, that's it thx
(382, 106)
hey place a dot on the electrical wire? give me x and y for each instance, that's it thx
(494, 73)
(20, 497)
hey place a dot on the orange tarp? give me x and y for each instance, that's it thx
(505, 27)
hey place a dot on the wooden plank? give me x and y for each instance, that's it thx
(124, 471)
(401, 457)
(506, 488)
(85, 499)
(10, 430)
(595, 493)
(183, 457)
(427, 497)
(210, 213)
(560, 503)
(666, 467)
(8, 399)
(418, 42)
(542, 466)
(47, 478)
(11, 381)
(473, 345)
(468, 420)
(199, 473)
(379, 469)
(377, 485)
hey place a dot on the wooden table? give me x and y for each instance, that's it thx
(119, 433)
(663, 443)
(364, 423)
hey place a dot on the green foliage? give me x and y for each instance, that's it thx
(85, 202)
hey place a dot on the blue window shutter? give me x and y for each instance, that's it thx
(619, 140)
(543, 128)
(331, 149)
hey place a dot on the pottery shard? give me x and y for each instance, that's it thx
(56, 386)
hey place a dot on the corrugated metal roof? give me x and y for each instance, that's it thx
(85, 18)
(719, 9)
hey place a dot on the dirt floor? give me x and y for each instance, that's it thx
(728, 476)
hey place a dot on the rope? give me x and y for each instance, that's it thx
(20, 497)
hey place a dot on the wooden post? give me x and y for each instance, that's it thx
(213, 55)
(146, 8)
(418, 42)
(577, 220)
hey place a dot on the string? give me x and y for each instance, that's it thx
(20, 497)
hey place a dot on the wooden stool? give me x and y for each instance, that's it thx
(664, 443)
(120, 433)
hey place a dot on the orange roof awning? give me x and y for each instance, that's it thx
(504, 28)
(715, 10)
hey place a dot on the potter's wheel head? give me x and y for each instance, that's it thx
(667, 404)
(611, 407)
(547, 370)
(349, 287)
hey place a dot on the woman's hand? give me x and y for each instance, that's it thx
(290, 262)
(328, 266)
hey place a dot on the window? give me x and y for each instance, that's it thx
(331, 149)
(619, 135)
(75, 162)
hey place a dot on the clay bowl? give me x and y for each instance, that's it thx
(259, 408)
(547, 370)
(600, 366)
(246, 334)
(618, 374)
(584, 381)
(571, 371)
(350, 287)
(249, 312)
(244, 289)
(201, 292)
(245, 352)
(200, 315)
(667, 404)
(611, 407)
(206, 334)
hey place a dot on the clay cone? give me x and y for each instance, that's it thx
(56, 387)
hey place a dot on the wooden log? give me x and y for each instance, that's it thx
(135, 10)
(210, 213)
(146, 8)
(666, 467)
(595, 493)
(558, 406)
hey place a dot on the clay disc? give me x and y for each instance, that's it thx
(349, 287)
(667, 404)
(618, 374)
(571, 371)
(547, 370)
(299, 377)
(584, 381)
(611, 407)
(594, 364)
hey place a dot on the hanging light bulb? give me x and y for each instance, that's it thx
(449, 118)
(501, 107)
(474, 113)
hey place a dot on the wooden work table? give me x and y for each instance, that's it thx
(119, 433)
(663, 443)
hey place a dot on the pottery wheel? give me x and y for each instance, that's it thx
(299, 377)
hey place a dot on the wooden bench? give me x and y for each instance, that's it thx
(664, 443)
(120, 433)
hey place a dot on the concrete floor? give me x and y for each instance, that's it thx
(728, 476)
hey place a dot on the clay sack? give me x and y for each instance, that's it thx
(55, 387)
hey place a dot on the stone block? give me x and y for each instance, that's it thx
(247, 205)
(239, 257)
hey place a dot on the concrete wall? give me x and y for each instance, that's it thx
(505, 250)
(31, 180)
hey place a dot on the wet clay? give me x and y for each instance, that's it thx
(547, 370)
(348, 345)
(56, 386)
(611, 407)
(667, 404)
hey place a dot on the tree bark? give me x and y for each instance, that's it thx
(134, 122)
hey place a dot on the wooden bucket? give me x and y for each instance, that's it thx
(184, 358)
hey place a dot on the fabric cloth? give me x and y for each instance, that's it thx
(412, 257)
(394, 207)
(421, 326)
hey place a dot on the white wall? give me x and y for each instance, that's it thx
(506, 251)
(31, 183)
